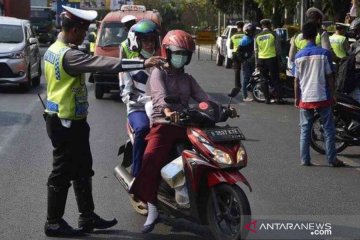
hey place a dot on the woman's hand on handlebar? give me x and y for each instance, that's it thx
(172, 116)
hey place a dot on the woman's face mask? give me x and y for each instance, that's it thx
(178, 60)
(146, 54)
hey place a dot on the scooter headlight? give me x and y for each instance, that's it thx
(219, 155)
(241, 155)
(222, 157)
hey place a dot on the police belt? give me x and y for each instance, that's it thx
(55, 116)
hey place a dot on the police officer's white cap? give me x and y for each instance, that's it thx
(80, 14)
(314, 10)
(128, 18)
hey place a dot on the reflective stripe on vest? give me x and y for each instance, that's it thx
(337, 45)
(300, 42)
(92, 44)
(266, 45)
(236, 38)
(66, 95)
(128, 53)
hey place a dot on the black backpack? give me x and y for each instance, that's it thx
(346, 77)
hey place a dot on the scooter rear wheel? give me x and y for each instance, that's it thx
(233, 212)
(317, 140)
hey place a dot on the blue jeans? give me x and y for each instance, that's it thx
(247, 68)
(139, 122)
(306, 122)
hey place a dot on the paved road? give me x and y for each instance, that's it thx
(283, 191)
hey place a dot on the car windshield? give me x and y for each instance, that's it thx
(40, 15)
(11, 34)
(112, 34)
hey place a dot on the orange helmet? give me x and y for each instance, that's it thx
(177, 40)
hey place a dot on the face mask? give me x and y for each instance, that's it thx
(178, 61)
(146, 54)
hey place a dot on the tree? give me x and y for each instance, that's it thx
(182, 14)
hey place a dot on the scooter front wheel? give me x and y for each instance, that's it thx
(228, 211)
(139, 206)
(258, 92)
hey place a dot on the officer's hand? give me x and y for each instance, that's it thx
(154, 61)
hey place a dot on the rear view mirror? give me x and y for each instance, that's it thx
(234, 92)
(33, 41)
(172, 99)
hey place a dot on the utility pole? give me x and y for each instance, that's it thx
(219, 23)
(302, 15)
(243, 10)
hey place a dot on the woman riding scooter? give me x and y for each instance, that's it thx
(143, 39)
(178, 47)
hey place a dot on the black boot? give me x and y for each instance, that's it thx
(88, 220)
(55, 225)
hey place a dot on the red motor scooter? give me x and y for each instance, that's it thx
(205, 190)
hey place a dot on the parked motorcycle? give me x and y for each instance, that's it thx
(347, 123)
(257, 87)
(201, 184)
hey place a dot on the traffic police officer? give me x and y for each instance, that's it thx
(125, 51)
(66, 125)
(234, 44)
(339, 42)
(297, 43)
(267, 47)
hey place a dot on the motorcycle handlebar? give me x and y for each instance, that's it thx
(186, 116)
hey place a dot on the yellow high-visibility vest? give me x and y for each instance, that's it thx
(66, 95)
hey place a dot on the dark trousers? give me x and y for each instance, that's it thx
(160, 141)
(237, 69)
(72, 157)
(269, 69)
(140, 123)
(247, 68)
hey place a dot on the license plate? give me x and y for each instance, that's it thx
(225, 134)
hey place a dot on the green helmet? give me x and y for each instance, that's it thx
(144, 28)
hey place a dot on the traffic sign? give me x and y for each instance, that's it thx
(205, 37)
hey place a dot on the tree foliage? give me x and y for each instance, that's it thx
(183, 14)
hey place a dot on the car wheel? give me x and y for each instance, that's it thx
(36, 80)
(219, 58)
(99, 91)
(25, 87)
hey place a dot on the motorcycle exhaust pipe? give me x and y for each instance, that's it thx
(123, 176)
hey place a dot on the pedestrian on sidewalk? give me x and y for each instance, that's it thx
(314, 92)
